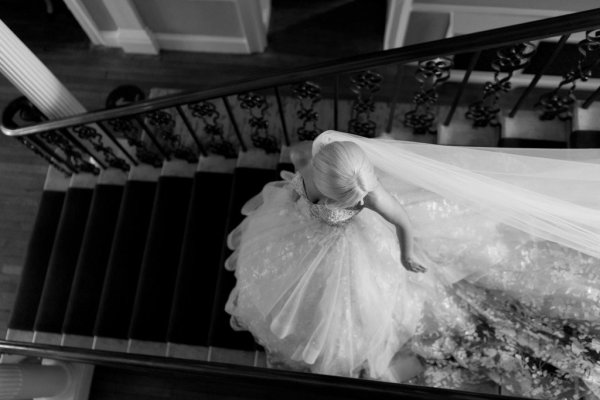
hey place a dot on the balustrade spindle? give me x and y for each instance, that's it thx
(88, 133)
(256, 106)
(70, 149)
(280, 109)
(431, 74)
(44, 152)
(190, 130)
(132, 135)
(308, 94)
(539, 74)
(463, 85)
(484, 112)
(553, 104)
(364, 85)
(216, 143)
(164, 129)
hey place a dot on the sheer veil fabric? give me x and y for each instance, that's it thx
(553, 194)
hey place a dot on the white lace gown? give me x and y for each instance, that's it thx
(323, 290)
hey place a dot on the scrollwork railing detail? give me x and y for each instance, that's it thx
(257, 107)
(27, 143)
(364, 85)
(553, 104)
(163, 126)
(213, 128)
(484, 112)
(72, 154)
(430, 75)
(308, 95)
(131, 132)
(91, 135)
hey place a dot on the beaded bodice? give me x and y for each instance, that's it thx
(329, 215)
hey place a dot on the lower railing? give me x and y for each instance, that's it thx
(268, 382)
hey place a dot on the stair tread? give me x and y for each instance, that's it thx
(120, 283)
(36, 261)
(200, 259)
(161, 255)
(93, 259)
(61, 266)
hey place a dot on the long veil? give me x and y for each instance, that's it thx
(553, 194)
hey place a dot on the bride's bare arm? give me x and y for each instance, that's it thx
(383, 203)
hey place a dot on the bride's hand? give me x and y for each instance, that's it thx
(413, 266)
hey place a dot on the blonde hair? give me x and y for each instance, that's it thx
(343, 173)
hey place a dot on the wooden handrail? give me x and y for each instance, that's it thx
(550, 27)
(275, 379)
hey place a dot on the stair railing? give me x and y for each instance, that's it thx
(252, 114)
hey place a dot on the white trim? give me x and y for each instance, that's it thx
(110, 38)
(86, 22)
(398, 15)
(140, 41)
(251, 22)
(213, 44)
(428, 7)
(132, 34)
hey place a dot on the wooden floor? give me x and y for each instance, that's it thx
(301, 33)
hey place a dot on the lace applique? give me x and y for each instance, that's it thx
(329, 215)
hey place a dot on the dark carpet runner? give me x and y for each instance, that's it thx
(200, 259)
(93, 259)
(154, 294)
(120, 283)
(61, 267)
(36, 261)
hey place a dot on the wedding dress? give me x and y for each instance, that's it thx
(511, 242)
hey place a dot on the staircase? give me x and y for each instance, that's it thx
(125, 260)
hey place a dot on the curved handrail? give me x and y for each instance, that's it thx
(550, 27)
(274, 379)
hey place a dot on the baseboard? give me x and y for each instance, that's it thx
(202, 43)
(131, 41)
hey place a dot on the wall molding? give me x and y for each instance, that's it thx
(85, 21)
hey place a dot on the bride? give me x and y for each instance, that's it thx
(418, 263)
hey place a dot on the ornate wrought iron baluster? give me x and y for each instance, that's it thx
(257, 106)
(213, 128)
(91, 135)
(484, 112)
(308, 95)
(46, 156)
(131, 132)
(71, 152)
(163, 125)
(431, 74)
(364, 84)
(553, 104)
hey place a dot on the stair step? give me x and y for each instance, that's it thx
(36, 262)
(156, 285)
(200, 260)
(247, 182)
(125, 260)
(62, 263)
(93, 259)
